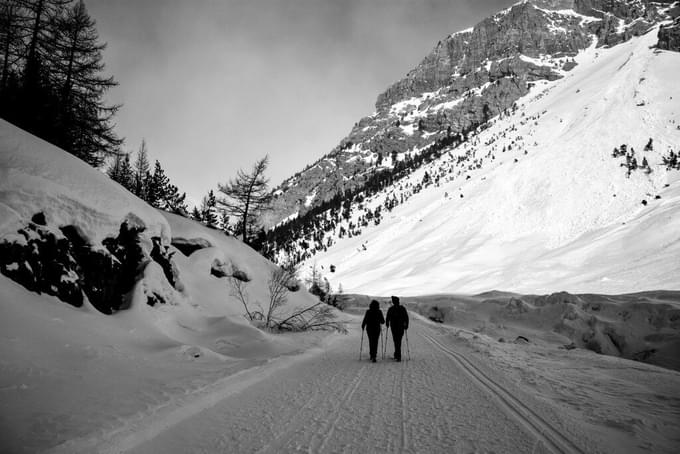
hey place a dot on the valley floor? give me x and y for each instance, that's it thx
(458, 393)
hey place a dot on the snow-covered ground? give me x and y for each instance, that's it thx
(459, 392)
(68, 372)
(191, 375)
(549, 208)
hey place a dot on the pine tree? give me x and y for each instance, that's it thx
(141, 172)
(174, 201)
(120, 171)
(196, 215)
(645, 165)
(208, 209)
(126, 177)
(114, 169)
(226, 223)
(157, 187)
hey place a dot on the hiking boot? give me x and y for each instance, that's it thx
(398, 360)
(372, 360)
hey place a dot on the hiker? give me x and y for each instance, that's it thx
(372, 321)
(397, 318)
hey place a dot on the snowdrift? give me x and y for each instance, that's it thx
(540, 203)
(68, 234)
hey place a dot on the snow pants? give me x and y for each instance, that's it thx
(397, 334)
(373, 337)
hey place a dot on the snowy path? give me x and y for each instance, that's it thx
(437, 402)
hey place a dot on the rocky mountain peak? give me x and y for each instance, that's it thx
(469, 77)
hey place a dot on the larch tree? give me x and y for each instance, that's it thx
(51, 83)
(13, 29)
(76, 64)
(246, 197)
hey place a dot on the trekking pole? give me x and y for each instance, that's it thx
(361, 349)
(408, 350)
(385, 343)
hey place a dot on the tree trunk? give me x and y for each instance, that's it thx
(5, 66)
(32, 60)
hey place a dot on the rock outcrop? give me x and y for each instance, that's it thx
(669, 36)
(59, 261)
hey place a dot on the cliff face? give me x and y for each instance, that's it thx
(669, 33)
(468, 78)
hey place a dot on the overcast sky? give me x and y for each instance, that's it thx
(214, 85)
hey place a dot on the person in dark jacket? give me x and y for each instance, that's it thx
(372, 321)
(397, 319)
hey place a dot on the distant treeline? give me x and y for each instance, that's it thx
(326, 216)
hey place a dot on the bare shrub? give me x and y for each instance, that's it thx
(319, 316)
(238, 291)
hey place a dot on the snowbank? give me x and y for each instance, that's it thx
(36, 176)
(69, 373)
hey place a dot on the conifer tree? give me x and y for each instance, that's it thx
(645, 165)
(120, 171)
(40, 14)
(174, 201)
(226, 223)
(115, 168)
(141, 171)
(51, 84)
(75, 66)
(126, 174)
(157, 186)
(247, 196)
(13, 21)
(196, 215)
(208, 209)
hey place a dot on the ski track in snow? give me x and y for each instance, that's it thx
(543, 430)
(330, 402)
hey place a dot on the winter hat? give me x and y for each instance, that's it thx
(395, 300)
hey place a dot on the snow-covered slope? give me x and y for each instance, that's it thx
(69, 371)
(36, 176)
(536, 202)
(467, 78)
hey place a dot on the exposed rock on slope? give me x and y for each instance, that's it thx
(575, 189)
(669, 36)
(59, 261)
(68, 231)
(469, 77)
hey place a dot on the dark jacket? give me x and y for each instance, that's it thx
(397, 317)
(373, 318)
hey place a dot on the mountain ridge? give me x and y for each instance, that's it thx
(583, 160)
(469, 77)
(541, 200)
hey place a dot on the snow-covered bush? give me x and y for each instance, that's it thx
(274, 317)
